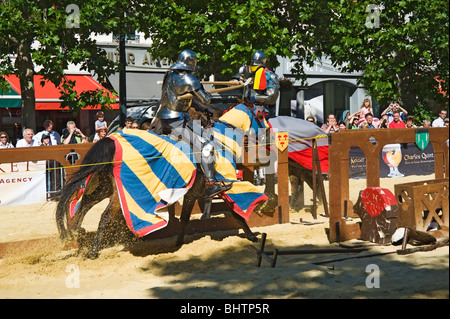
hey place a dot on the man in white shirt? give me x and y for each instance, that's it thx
(27, 140)
(55, 138)
(439, 122)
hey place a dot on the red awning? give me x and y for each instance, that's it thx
(47, 96)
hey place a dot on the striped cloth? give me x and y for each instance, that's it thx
(229, 133)
(260, 79)
(151, 172)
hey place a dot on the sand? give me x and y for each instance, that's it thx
(212, 265)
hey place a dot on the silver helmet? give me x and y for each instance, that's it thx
(259, 58)
(187, 60)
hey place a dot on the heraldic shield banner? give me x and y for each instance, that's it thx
(422, 138)
(282, 141)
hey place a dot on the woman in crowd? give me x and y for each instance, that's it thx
(4, 141)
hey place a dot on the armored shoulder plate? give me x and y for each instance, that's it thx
(175, 84)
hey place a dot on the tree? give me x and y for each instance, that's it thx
(401, 46)
(223, 33)
(43, 37)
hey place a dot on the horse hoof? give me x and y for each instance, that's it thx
(253, 238)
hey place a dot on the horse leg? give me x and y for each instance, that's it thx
(293, 203)
(109, 218)
(93, 194)
(248, 232)
(188, 205)
(206, 213)
(104, 221)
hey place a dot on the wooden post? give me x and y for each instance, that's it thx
(283, 184)
(317, 169)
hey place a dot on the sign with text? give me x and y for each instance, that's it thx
(22, 183)
(395, 161)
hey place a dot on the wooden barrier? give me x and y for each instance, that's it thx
(55, 152)
(339, 148)
(419, 204)
(280, 214)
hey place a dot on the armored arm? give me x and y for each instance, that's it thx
(273, 90)
(202, 95)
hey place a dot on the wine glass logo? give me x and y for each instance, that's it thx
(392, 156)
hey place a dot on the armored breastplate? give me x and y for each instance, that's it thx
(176, 84)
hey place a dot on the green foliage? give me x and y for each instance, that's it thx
(223, 33)
(401, 48)
(52, 34)
(400, 55)
(422, 112)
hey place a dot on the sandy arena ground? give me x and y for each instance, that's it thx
(210, 266)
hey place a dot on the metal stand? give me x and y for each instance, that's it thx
(260, 253)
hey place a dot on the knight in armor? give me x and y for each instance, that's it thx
(264, 91)
(172, 117)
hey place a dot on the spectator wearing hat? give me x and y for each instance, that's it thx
(4, 141)
(101, 134)
(45, 139)
(55, 138)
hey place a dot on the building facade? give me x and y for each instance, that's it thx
(327, 91)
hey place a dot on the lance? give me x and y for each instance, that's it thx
(222, 82)
(189, 96)
(236, 83)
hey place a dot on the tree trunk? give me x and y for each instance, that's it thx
(25, 67)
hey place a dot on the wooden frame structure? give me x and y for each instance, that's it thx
(419, 202)
(339, 148)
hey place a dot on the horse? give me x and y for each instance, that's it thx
(301, 134)
(95, 181)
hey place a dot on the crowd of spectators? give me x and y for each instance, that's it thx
(394, 116)
(71, 134)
